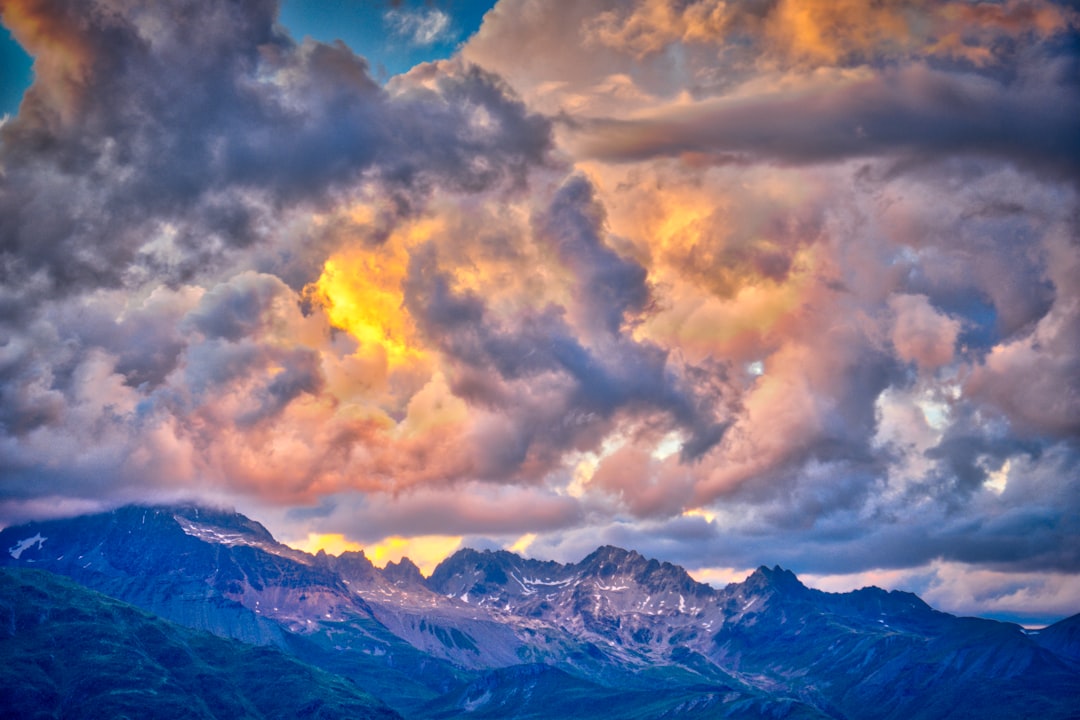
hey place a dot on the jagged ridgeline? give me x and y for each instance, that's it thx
(488, 635)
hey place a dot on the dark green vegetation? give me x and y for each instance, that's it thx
(69, 652)
(540, 692)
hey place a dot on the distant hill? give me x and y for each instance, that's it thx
(68, 652)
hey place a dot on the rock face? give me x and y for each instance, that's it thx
(489, 630)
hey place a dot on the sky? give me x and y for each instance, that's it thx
(730, 284)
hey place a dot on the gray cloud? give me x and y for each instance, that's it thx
(613, 289)
(565, 387)
(914, 113)
(178, 128)
(1009, 533)
(836, 305)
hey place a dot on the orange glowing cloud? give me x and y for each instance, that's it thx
(330, 543)
(829, 32)
(733, 276)
(966, 30)
(62, 55)
(360, 291)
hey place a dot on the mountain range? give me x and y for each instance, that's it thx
(495, 635)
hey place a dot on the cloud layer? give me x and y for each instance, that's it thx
(730, 283)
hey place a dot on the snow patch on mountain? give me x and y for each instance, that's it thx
(22, 546)
(230, 537)
(211, 534)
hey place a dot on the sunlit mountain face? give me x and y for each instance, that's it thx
(730, 284)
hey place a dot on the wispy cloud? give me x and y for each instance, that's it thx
(422, 27)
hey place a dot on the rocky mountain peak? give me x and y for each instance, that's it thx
(775, 579)
(353, 566)
(404, 573)
(608, 561)
(468, 569)
(607, 555)
(476, 558)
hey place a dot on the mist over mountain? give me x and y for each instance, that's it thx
(493, 634)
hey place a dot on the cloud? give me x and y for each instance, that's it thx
(1030, 378)
(570, 388)
(632, 56)
(422, 27)
(921, 334)
(613, 288)
(192, 176)
(731, 284)
(822, 32)
(477, 508)
(915, 112)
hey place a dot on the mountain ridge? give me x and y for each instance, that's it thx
(615, 619)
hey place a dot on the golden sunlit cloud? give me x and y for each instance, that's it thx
(521, 545)
(819, 32)
(426, 551)
(708, 515)
(582, 472)
(360, 289)
(330, 543)
(361, 294)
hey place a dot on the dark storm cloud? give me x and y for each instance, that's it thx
(236, 309)
(471, 508)
(613, 287)
(157, 136)
(556, 387)
(554, 391)
(1019, 531)
(28, 398)
(299, 372)
(910, 112)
